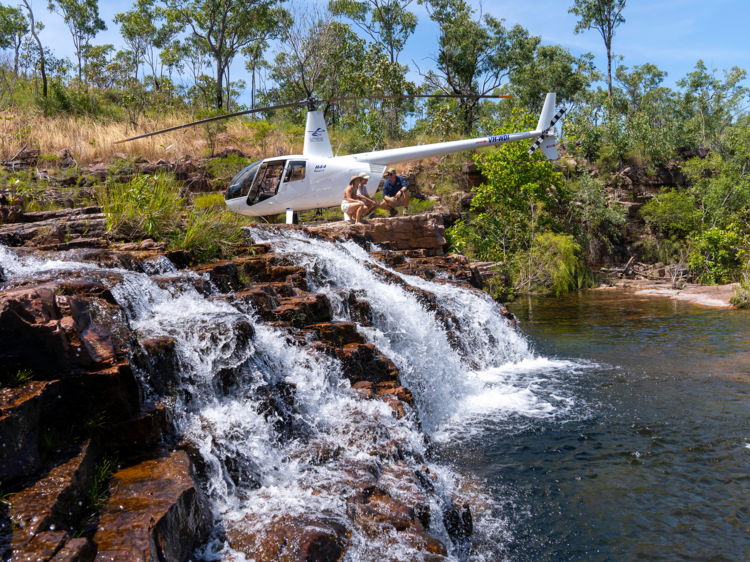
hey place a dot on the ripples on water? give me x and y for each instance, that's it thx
(635, 446)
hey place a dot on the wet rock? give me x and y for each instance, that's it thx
(41, 548)
(52, 334)
(301, 311)
(400, 392)
(356, 306)
(361, 362)
(276, 404)
(373, 508)
(109, 396)
(20, 410)
(256, 299)
(222, 274)
(131, 437)
(364, 389)
(153, 513)
(458, 524)
(54, 503)
(337, 333)
(162, 362)
(76, 550)
(401, 482)
(11, 215)
(311, 539)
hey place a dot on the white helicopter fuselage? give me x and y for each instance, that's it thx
(316, 179)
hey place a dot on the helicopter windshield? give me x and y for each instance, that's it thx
(240, 185)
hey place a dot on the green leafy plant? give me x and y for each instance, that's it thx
(145, 207)
(717, 255)
(210, 234)
(741, 296)
(14, 379)
(552, 264)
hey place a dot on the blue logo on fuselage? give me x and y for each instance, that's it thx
(317, 132)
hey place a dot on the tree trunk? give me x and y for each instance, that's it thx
(41, 49)
(219, 84)
(609, 71)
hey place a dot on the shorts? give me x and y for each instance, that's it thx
(345, 205)
(397, 203)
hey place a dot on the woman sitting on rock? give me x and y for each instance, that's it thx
(351, 205)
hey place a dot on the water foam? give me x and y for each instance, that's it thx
(253, 470)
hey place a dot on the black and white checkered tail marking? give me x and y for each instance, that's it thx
(538, 142)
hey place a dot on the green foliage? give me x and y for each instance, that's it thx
(594, 219)
(210, 234)
(209, 201)
(224, 169)
(474, 54)
(672, 213)
(147, 206)
(741, 296)
(718, 255)
(551, 264)
(103, 471)
(13, 379)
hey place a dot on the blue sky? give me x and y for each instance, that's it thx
(673, 34)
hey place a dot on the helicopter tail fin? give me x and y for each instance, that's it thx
(548, 112)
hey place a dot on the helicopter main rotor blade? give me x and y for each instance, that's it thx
(209, 119)
(349, 98)
(297, 104)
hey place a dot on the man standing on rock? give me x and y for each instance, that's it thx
(395, 193)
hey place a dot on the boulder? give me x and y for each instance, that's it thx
(303, 310)
(20, 415)
(55, 503)
(76, 550)
(222, 274)
(154, 512)
(51, 334)
(318, 538)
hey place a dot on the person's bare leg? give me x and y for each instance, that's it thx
(358, 213)
(405, 200)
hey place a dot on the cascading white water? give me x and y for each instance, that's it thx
(496, 374)
(255, 466)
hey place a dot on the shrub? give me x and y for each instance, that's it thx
(672, 213)
(551, 265)
(147, 206)
(741, 296)
(717, 256)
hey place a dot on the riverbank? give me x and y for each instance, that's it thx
(713, 296)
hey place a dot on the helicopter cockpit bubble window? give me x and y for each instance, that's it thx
(295, 171)
(240, 185)
(266, 182)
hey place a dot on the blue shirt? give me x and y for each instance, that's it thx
(390, 189)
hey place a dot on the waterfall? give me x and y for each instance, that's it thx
(260, 412)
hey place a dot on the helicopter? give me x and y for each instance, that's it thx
(316, 179)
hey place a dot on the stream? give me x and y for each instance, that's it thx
(631, 440)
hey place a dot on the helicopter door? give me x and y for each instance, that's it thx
(267, 181)
(295, 182)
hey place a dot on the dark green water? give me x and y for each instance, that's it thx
(646, 452)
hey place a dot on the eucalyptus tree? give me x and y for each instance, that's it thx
(224, 27)
(83, 21)
(13, 28)
(308, 47)
(145, 30)
(605, 16)
(35, 27)
(387, 22)
(553, 69)
(474, 55)
(254, 64)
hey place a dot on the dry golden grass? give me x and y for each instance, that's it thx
(92, 140)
